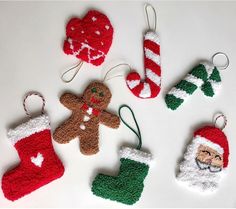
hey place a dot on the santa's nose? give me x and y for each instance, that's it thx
(208, 161)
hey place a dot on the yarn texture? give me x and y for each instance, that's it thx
(212, 86)
(88, 111)
(204, 76)
(90, 38)
(151, 85)
(39, 164)
(128, 185)
(205, 161)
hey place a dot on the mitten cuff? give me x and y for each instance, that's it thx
(32, 126)
(136, 155)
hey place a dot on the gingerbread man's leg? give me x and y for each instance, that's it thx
(66, 131)
(89, 143)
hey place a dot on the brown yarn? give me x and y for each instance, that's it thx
(85, 124)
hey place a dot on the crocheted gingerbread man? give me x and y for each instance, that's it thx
(87, 112)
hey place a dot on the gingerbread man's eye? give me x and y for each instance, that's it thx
(94, 90)
(101, 94)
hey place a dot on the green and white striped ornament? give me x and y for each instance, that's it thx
(204, 75)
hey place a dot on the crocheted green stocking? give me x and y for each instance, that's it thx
(128, 185)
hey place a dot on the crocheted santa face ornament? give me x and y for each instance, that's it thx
(205, 160)
(151, 85)
(39, 164)
(128, 185)
(90, 38)
(88, 111)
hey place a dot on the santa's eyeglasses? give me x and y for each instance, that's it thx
(204, 166)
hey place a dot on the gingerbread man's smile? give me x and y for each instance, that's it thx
(94, 100)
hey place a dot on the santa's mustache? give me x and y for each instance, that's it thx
(211, 168)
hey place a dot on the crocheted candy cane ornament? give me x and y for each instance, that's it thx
(186, 87)
(205, 75)
(128, 185)
(150, 86)
(90, 38)
(39, 164)
(205, 160)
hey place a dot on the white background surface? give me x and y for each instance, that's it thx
(31, 58)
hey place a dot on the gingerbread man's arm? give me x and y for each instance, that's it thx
(109, 119)
(71, 101)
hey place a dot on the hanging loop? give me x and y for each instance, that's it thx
(148, 18)
(137, 133)
(221, 115)
(121, 64)
(77, 67)
(33, 94)
(221, 67)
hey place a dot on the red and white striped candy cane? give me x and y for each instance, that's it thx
(151, 85)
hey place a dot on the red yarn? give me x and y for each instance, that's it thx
(26, 176)
(151, 85)
(90, 38)
(95, 112)
(216, 136)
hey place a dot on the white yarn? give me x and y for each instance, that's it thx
(89, 48)
(133, 83)
(152, 36)
(153, 77)
(146, 91)
(136, 155)
(193, 79)
(38, 160)
(216, 86)
(209, 68)
(194, 178)
(32, 126)
(181, 94)
(152, 56)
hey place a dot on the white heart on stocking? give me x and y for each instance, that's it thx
(38, 160)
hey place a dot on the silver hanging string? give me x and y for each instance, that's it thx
(77, 67)
(121, 64)
(147, 16)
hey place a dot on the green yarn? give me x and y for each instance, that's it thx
(215, 76)
(186, 86)
(173, 102)
(200, 76)
(200, 72)
(127, 187)
(174, 99)
(209, 88)
(138, 132)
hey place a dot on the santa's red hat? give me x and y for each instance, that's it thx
(214, 138)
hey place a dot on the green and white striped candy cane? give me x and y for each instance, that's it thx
(186, 87)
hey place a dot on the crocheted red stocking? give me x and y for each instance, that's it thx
(39, 163)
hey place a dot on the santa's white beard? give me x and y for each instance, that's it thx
(191, 175)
